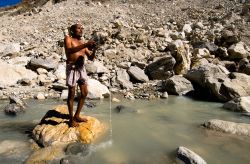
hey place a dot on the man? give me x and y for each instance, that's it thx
(76, 52)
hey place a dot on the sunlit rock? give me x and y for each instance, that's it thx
(188, 156)
(53, 128)
(228, 127)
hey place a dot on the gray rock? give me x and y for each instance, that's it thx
(228, 127)
(59, 86)
(229, 37)
(161, 68)
(16, 105)
(138, 74)
(123, 79)
(177, 85)
(241, 104)
(47, 64)
(60, 72)
(188, 156)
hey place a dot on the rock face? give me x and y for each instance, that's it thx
(53, 129)
(241, 104)
(177, 85)
(228, 127)
(188, 156)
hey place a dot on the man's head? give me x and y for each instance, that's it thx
(76, 30)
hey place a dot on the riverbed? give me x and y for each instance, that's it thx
(142, 132)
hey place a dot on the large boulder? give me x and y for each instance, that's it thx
(97, 90)
(161, 69)
(53, 129)
(177, 85)
(123, 79)
(241, 104)
(228, 127)
(137, 74)
(96, 67)
(188, 156)
(215, 81)
(10, 74)
(47, 64)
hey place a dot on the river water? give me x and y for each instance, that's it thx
(143, 132)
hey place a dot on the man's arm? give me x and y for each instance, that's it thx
(70, 50)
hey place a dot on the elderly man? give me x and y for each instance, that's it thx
(76, 52)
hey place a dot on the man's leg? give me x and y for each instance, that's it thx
(84, 93)
(70, 103)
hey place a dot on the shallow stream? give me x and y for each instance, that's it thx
(143, 132)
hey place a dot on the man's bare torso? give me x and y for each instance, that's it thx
(72, 58)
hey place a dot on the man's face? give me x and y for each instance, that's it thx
(78, 30)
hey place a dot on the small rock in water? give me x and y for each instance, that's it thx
(115, 100)
(77, 149)
(16, 105)
(164, 95)
(40, 96)
(90, 104)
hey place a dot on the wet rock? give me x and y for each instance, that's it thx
(77, 149)
(123, 79)
(47, 64)
(228, 127)
(161, 69)
(188, 156)
(53, 129)
(177, 85)
(124, 109)
(241, 104)
(137, 74)
(15, 106)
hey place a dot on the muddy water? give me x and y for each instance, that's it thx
(142, 132)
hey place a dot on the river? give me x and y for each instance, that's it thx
(144, 132)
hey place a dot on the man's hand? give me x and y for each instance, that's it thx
(91, 44)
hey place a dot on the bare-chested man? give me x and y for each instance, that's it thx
(76, 52)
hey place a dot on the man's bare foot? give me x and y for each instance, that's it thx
(79, 119)
(73, 123)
